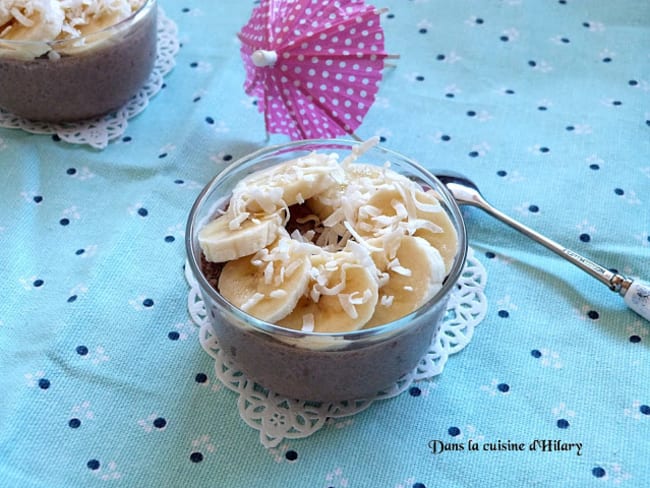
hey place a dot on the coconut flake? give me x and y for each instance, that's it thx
(278, 294)
(252, 301)
(308, 322)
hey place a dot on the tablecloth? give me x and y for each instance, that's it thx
(544, 103)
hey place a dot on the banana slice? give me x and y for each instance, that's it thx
(442, 234)
(269, 284)
(415, 272)
(289, 183)
(224, 238)
(38, 22)
(342, 295)
(415, 212)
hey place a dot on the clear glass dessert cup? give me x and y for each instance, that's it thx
(321, 367)
(75, 79)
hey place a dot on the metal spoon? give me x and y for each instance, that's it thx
(636, 293)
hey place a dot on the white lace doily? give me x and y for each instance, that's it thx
(277, 417)
(98, 132)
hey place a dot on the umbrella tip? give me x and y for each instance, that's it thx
(262, 58)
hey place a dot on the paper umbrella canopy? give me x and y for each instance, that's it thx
(314, 66)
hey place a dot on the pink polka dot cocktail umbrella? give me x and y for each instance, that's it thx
(314, 66)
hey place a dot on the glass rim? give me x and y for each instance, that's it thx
(388, 329)
(53, 44)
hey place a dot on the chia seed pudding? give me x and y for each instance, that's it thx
(82, 77)
(305, 363)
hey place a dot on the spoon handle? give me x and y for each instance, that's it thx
(636, 293)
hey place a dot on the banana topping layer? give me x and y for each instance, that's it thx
(321, 245)
(44, 21)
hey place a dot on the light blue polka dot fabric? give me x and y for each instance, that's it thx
(545, 103)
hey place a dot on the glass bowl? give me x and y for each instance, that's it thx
(310, 365)
(79, 78)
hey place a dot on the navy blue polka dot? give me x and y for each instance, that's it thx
(503, 387)
(159, 423)
(382, 139)
(504, 314)
(471, 113)
(179, 182)
(38, 283)
(533, 208)
(585, 237)
(209, 120)
(193, 64)
(162, 155)
(419, 485)
(544, 149)
(562, 423)
(419, 78)
(504, 38)
(598, 472)
(593, 315)
(71, 171)
(415, 391)
(38, 199)
(451, 95)
(291, 455)
(93, 464)
(478, 21)
(542, 108)
(536, 353)
(594, 166)
(170, 238)
(201, 378)
(619, 191)
(440, 57)
(635, 339)
(490, 255)
(644, 409)
(445, 138)
(82, 350)
(127, 139)
(617, 103)
(565, 40)
(502, 173)
(227, 157)
(79, 252)
(64, 221)
(173, 335)
(473, 154)
(453, 431)
(570, 128)
(72, 298)
(143, 212)
(532, 64)
(633, 83)
(147, 302)
(74, 423)
(43, 383)
(423, 31)
(196, 457)
(607, 60)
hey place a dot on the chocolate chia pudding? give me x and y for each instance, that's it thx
(312, 357)
(79, 78)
